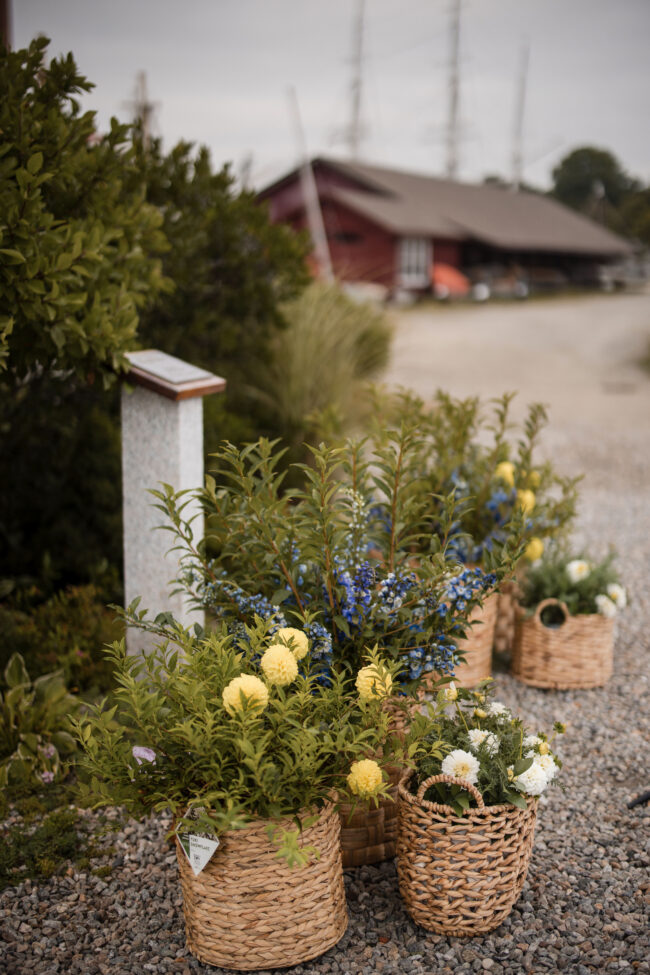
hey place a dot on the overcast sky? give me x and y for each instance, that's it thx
(219, 71)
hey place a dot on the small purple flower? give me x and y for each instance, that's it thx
(48, 777)
(49, 751)
(141, 754)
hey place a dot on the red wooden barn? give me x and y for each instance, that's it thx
(390, 227)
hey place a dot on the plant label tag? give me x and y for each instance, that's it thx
(199, 850)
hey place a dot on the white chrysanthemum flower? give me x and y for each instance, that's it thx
(533, 781)
(479, 737)
(530, 741)
(605, 606)
(547, 764)
(578, 569)
(617, 595)
(498, 710)
(461, 765)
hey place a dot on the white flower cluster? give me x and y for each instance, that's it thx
(616, 598)
(541, 773)
(489, 741)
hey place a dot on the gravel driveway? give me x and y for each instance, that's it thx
(586, 904)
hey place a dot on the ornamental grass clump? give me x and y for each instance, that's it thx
(335, 558)
(227, 729)
(478, 740)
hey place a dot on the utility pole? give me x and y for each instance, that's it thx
(5, 24)
(310, 195)
(143, 110)
(454, 93)
(355, 130)
(518, 130)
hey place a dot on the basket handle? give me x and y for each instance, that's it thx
(450, 780)
(537, 615)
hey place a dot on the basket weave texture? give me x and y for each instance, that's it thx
(248, 909)
(476, 648)
(461, 875)
(369, 834)
(504, 630)
(577, 654)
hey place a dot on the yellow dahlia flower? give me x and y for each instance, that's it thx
(526, 500)
(251, 688)
(373, 682)
(505, 471)
(365, 778)
(296, 640)
(534, 550)
(279, 664)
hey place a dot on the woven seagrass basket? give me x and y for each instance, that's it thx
(578, 653)
(506, 621)
(248, 909)
(369, 834)
(476, 648)
(461, 875)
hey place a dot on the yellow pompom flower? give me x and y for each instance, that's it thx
(373, 682)
(534, 479)
(526, 500)
(534, 550)
(543, 748)
(251, 688)
(365, 778)
(505, 471)
(279, 664)
(296, 640)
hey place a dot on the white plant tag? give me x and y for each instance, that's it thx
(199, 850)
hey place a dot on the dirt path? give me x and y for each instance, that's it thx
(578, 355)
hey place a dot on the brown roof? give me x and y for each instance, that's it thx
(408, 203)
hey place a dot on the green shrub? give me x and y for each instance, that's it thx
(34, 726)
(66, 631)
(40, 852)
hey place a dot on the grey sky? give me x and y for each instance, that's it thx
(220, 69)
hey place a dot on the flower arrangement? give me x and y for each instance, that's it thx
(479, 740)
(506, 497)
(224, 730)
(582, 584)
(308, 558)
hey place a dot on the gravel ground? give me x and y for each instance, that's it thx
(585, 905)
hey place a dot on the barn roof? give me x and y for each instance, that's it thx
(417, 205)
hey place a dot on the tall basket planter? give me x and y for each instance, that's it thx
(576, 654)
(476, 647)
(249, 910)
(461, 875)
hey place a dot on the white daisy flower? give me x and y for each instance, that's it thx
(617, 595)
(605, 606)
(578, 569)
(533, 781)
(461, 765)
(548, 766)
(530, 741)
(479, 737)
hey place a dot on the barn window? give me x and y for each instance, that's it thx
(415, 256)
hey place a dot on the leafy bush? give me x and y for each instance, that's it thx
(305, 557)
(34, 726)
(40, 852)
(66, 631)
(230, 728)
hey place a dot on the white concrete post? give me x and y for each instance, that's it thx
(162, 441)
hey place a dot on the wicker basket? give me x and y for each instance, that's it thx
(476, 648)
(369, 834)
(504, 630)
(461, 875)
(579, 653)
(248, 910)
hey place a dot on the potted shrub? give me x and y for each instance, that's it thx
(565, 622)
(237, 738)
(303, 558)
(467, 813)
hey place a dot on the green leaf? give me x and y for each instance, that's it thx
(16, 672)
(343, 625)
(12, 256)
(522, 766)
(517, 799)
(35, 162)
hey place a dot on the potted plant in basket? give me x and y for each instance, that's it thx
(565, 622)
(467, 813)
(237, 738)
(506, 502)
